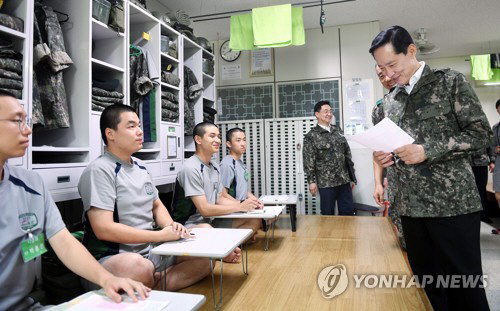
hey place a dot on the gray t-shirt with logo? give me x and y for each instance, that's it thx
(196, 178)
(23, 199)
(125, 189)
(234, 177)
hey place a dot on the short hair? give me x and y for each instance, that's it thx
(498, 104)
(200, 128)
(5, 93)
(399, 37)
(110, 118)
(321, 103)
(229, 134)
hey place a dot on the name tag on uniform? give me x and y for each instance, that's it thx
(247, 175)
(33, 247)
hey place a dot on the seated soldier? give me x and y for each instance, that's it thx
(235, 177)
(29, 216)
(197, 194)
(121, 209)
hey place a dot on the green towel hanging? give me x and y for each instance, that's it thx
(480, 67)
(272, 25)
(241, 33)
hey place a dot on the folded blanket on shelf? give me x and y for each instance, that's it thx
(12, 22)
(166, 104)
(11, 84)
(107, 99)
(170, 96)
(11, 65)
(170, 78)
(173, 120)
(10, 53)
(17, 93)
(102, 104)
(97, 108)
(100, 92)
(165, 113)
(10, 75)
(172, 49)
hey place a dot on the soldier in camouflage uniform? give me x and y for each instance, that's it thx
(328, 164)
(434, 186)
(380, 174)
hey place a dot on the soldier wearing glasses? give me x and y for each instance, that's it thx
(328, 164)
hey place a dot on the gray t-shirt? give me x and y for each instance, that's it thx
(23, 197)
(196, 178)
(234, 177)
(125, 189)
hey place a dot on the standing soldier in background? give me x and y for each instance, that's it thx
(328, 163)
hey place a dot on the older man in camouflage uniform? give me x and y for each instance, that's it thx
(435, 191)
(328, 164)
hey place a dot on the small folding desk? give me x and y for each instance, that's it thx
(268, 212)
(290, 200)
(213, 243)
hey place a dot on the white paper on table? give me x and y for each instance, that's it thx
(385, 136)
(97, 302)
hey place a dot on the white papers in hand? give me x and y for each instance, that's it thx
(385, 136)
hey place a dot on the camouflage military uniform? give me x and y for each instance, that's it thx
(483, 157)
(377, 116)
(52, 59)
(325, 157)
(443, 114)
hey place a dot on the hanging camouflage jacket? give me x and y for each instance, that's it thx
(52, 59)
(443, 114)
(326, 158)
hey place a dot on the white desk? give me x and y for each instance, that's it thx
(268, 212)
(213, 243)
(290, 200)
(177, 301)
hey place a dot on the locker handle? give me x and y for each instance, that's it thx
(172, 168)
(63, 179)
(299, 146)
(178, 142)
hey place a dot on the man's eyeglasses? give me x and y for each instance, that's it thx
(23, 123)
(327, 111)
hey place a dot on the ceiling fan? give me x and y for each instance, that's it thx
(423, 45)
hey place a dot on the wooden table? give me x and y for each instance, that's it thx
(285, 277)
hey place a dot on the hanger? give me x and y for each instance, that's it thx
(40, 2)
(64, 14)
(136, 51)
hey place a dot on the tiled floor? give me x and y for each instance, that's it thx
(490, 251)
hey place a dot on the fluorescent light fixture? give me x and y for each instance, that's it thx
(492, 83)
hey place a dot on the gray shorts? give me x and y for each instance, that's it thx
(155, 259)
(225, 223)
(195, 220)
